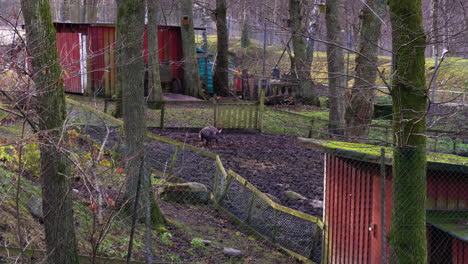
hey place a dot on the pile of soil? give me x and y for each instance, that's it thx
(273, 163)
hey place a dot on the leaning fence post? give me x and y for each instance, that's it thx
(173, 161)
(261, 109)
(225, 188)
(275, 226)
(163, 109)
(249, 212)
(383, 197)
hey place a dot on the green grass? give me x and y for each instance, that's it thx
(373, 150)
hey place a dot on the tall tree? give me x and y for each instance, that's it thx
(55, 171)
(360, 110)
(336, 77)
(221, 77)
(409, 95)
(191, 75)
(130, 31)
(303, 66)
(154, 78)
(245, 34)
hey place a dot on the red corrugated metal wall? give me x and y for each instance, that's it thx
(353, 209)
(68, 45)
(447, 192)
(459, 252)
(348, 210)
(101, 45)
(101, 41)
(170, 49)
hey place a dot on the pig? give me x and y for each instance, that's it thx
(208, 133)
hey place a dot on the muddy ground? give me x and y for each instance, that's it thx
(273, 163)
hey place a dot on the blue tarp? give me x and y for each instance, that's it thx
(206, 75)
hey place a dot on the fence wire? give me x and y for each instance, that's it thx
(174, 162)
(364, 200)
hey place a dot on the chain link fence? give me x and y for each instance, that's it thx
(380, 210)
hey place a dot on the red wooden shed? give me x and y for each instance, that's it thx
(353, 205)
(87, 54)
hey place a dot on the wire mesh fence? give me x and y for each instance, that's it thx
(184, 173)
(380, 210)
(364, 198)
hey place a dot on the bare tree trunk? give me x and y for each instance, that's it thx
(360, 110)
(205, 21)
(303, 68)
(191, 74)
(130, 31)
(154, 80)
(409, 95)
(245, 35)
(55, 172)
(336, 77)
(221, 72)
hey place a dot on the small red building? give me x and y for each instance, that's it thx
(355, 210)
(87, 54)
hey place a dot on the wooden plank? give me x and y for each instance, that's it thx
(327, 234)
(352, 222)
(112, 69)
(362, 228)
(334, 210)
(367, 216)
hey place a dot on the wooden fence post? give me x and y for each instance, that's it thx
(215, 121)
(163, 109)
(261, 109)
(312, 123)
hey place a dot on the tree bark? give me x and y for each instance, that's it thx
(154, 78)
(336, 77)
(221, 71)
(409, 95)
(306, 86)
(55, 171)
(360, 110)
(191, 74)
(130, 32)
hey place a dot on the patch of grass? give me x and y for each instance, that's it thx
(197, 243)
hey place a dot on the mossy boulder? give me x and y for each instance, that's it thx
(190, 192)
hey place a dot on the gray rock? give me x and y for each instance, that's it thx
(190, 192)
(232, 252)
(34, 206)
(206, 242)
(294, 195)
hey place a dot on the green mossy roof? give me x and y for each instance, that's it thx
(371, 153)
(452, 222)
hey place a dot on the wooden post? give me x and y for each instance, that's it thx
(454, 140)
(274, 232)
(215, 118)
(249, 212)
(163, 109)
(173, 161)
(312, 123)
(261, 109)
(105, 105)
(224, 191)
